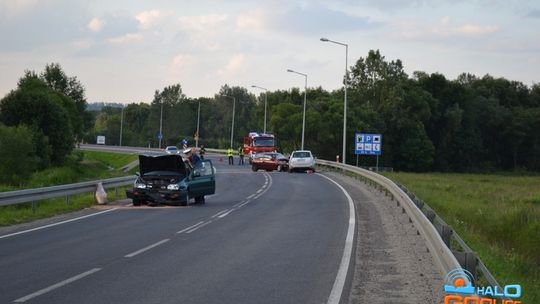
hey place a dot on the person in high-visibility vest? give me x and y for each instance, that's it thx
(241, 156)
(230, 154)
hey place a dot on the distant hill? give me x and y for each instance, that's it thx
(97, 106)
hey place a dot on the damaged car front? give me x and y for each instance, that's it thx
(163, 179)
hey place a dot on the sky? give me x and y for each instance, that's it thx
(125, 50)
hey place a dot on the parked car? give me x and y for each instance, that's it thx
(270, 161)
(301, 160)
(169, 179)
(171, 150)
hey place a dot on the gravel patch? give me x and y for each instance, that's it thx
(392, 262)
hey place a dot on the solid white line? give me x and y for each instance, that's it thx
(219, 213)
(56, 224)
(146, 248)
(249, 197)
(57, 285)
(200, 226)
(339, 283)
(225, 214)
(190, 227)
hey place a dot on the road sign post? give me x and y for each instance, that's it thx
(368, 144)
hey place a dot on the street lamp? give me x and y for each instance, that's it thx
(265, 102)
(345, 95)
(121, 124)
(198, 120)
(161, 125)
(304, 115)
(232, 126)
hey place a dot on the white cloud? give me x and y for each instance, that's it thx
(95, 25)
(127, 38)
(182, 60)
(476, 30)
(234, 65)
(251, 21)
(15, 7)
(147, 19)
(202, 23)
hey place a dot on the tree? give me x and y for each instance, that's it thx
(76, 104)
(18, 154)
(41, 109)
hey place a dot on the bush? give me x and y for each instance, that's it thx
(18, 154)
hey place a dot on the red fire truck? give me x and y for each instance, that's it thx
(257, 142)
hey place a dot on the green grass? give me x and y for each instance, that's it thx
(80, 166)
(21, 213)
(498, 216)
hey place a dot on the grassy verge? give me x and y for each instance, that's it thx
(81, 166)
(497, 215)
(21, 213)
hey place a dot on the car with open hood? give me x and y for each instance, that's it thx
(169, 179)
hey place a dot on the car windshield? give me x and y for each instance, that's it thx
(301, 154)
(263, 142)
(280, 156)
(172, 149)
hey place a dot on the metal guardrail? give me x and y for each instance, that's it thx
(444, 259)
(465, 255)
(38, 194)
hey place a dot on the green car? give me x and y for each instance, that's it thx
(168, 179)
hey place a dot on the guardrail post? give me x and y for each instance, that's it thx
(446, 234)
(468, 261)
(67, 199)
(430, 214)
(34, 207)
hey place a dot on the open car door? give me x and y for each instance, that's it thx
(202, 180)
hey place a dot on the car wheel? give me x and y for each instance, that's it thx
(136, 202)
(290, 170)
(199, 200)
(254, 168)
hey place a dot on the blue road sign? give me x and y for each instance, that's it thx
(160, 136)
(368, 144)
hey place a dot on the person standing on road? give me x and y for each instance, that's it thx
(240, 156)
(230, 154)
(202, 151)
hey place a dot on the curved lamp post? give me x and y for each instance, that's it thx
(345, 95)
(304, 115)
(265, 102)
(233, 109)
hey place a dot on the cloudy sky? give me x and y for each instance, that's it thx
(123, 50)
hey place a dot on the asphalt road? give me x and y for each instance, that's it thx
(262, 238)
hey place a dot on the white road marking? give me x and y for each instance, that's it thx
(219, 213)
(146, 248)
(56, 224)
(249, 197)
(339, 283)
(56, 286)
(190, 227)
(225, 214)
(200, 226)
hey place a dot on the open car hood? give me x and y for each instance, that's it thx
(162, 162)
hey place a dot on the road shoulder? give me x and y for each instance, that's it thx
(392, 263)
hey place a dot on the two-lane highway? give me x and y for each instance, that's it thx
(262, 238)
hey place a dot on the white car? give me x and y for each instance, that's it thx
(301, 160)
(171, 150)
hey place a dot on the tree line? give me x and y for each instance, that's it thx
(428, 122)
